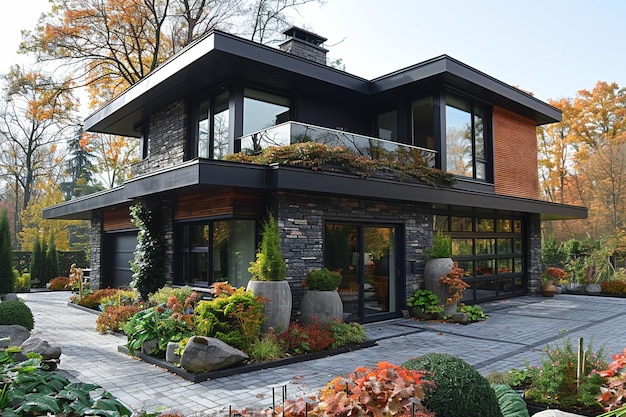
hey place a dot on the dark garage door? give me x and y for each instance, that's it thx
(120, 248)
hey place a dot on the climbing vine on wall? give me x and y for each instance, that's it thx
(147, 265)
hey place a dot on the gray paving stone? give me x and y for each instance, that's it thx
(513, 337)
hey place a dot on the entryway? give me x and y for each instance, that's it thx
(366, 256)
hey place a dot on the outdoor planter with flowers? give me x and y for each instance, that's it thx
(552, 277)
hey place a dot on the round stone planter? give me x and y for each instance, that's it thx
(436, 268)
(320, 307)
(277, 309)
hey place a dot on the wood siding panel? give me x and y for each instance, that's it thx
(117, 219)
(223, 204)
(515, 155)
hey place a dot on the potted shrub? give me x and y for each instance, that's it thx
(321, 302)
(424, 304)
(550, 277)
(439, 263)
(268, 279)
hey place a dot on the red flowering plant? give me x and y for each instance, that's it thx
(556, 275)
(384, 391)
(613, 393)
(455, 283)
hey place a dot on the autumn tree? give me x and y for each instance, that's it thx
(114, 156)
(35, 114)
(583, 159)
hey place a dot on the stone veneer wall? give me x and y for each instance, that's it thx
(301, 222)
(95, 242)
(167, 136)
(535, 268)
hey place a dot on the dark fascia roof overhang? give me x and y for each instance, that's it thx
(200, 173)
(218, 56)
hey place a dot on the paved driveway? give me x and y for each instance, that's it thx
(514, 335)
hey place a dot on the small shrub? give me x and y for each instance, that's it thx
(382, 391)
(233, 316)
(113, 318)
(346, 333)
(617, 287)
(323, 280)
(164, 294)
(424, 301)
(16, 312)
(92, 300)
(300, 338)
(442, 246)
(60, 284)
(120, 298)
(475, 312)
(267, 348)
(460, 390)
(554, 382)
(22, 282)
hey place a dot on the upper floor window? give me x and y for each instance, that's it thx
(388, 125)
(262, 110)
(212, 128)
(465, 139)
(423, 123)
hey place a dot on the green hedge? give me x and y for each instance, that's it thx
(21, 260)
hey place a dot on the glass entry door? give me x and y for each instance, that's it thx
(366, 258)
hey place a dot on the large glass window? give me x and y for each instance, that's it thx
(212, 128)
(263, 110)
(465, 139)
(216, 251)
(490, 251)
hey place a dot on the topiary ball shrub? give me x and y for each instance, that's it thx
(459, 390)
(16, 312)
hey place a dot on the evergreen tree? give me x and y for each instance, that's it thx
(269, 264)
(7, 279)
(52, 261)
(37, 264)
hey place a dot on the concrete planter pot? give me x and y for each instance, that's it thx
(277, 309)
(320, 307)
(436, 268)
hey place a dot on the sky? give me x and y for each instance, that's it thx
(552, 48)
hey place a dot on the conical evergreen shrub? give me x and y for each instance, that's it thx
(7, 279)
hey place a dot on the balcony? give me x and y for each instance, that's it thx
(290, 133)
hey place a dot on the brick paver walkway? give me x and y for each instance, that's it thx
(514, 335)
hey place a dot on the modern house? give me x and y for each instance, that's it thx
(223, 95)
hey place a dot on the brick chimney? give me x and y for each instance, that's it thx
(304, 44)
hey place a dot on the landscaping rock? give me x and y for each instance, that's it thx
(17, 333)
(205, 354)
(460, 317)
(554, 413)
(170, 353)
(9, 297)
(593, 288)
(149, 346)
(45, 349)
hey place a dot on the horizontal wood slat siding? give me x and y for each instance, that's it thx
(227, 203)
(515, 155)
(118, 219)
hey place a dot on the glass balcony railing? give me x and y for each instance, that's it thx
(290, 133)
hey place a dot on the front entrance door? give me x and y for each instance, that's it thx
(366, 257)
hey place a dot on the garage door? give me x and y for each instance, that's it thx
(120, 248)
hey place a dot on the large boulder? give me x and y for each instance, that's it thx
(15, 332)
(205, 354)
(45, 349)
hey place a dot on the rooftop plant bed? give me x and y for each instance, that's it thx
(403, 166)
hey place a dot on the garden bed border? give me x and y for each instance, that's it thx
(235, 370)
